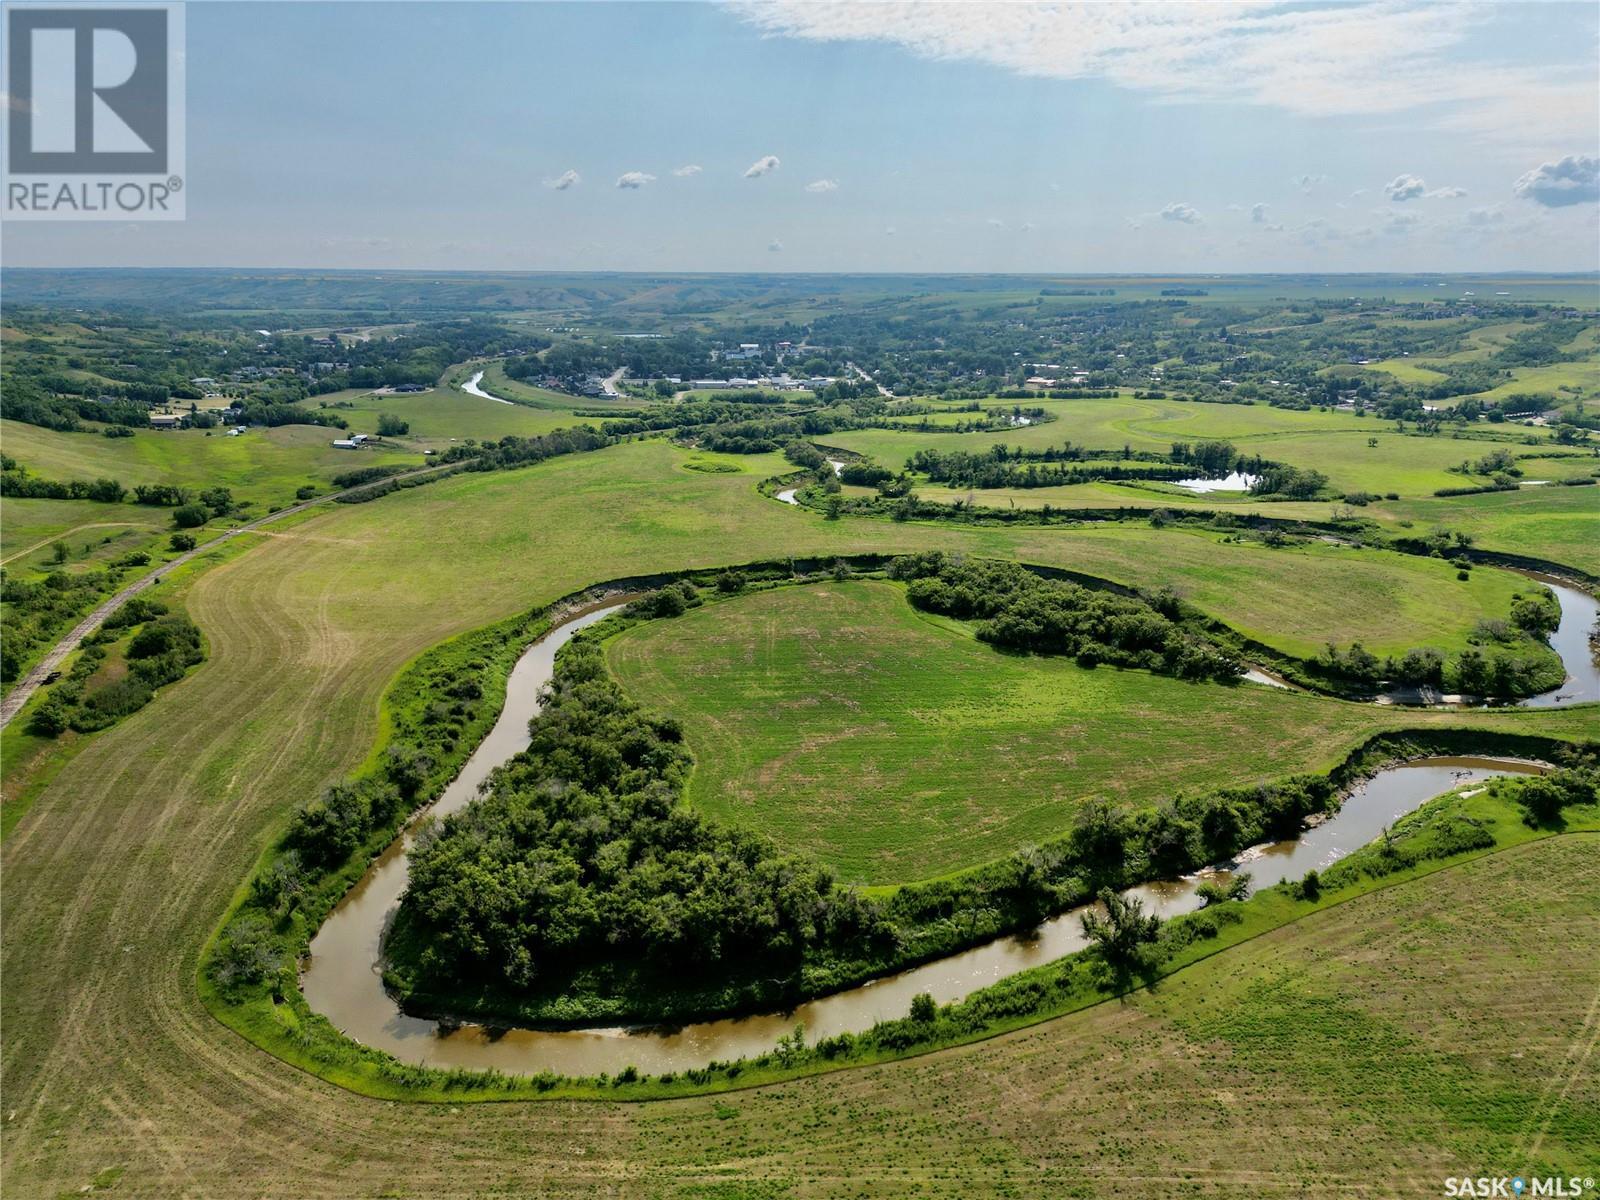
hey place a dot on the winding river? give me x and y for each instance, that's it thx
(474, 387)
(1579, 611)
(341, 976)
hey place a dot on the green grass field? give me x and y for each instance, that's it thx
(1331, 442)
(446, 414)
(263, 465)
(30, 526)
(895, 747)
(120, 868)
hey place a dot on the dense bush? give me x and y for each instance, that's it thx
(582, 851)
(1023, 611)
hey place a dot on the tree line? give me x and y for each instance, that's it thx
(1021, 610)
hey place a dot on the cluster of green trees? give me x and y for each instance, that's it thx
(582, 851)
(1505, 659)
(1024, 611)
(18, 482)
(1281, 481)
(35, 401)
(161, 649)
(513, 451)
(1051, 466)
(37, 612)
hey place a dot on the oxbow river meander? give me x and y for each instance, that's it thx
(341, 978)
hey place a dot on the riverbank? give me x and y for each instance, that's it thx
(290, 1031)
(291, 1018)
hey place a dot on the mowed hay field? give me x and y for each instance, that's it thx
(120, 869)
(894, 746)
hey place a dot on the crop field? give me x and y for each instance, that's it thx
(896, 747)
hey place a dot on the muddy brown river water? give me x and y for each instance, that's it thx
(341, 977)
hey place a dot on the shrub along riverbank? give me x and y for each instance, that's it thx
(1461, 826)
(577, 890)
(445, 701)
(1509, 658)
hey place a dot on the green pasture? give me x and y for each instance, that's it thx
(28, 527)
(1331, 442)
(447, 414)
(895, 747)
(263, 465)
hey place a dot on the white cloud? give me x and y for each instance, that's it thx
(764, 165)
(564, 181)
(774, 246)
(995, 223)
(1258, 214)
(685, 171)
(634, 179)
(1184, 214)
(1492, 215)
(1308, 182)
(1368, 57)
(1574, 179)
(823, 185)
(1404, 187)
(1411, 187)
(889, 232)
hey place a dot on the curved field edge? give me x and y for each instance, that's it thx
(307, 1041)
(895, 747)
(277, 1018)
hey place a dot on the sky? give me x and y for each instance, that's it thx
(807, 135)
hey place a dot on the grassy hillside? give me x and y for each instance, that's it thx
(264, 465)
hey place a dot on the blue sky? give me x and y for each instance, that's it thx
(1107, 137)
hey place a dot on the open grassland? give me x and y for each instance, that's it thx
(115, 1072)
(1561, 524)
(1557, 524)
(1566, 380)
(30, 526)
(638, 507)
(1198, 1086)
(1331, 442)
(446, 414)
(264, 465)
(896, 747)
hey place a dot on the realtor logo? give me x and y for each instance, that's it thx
(94, 126)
